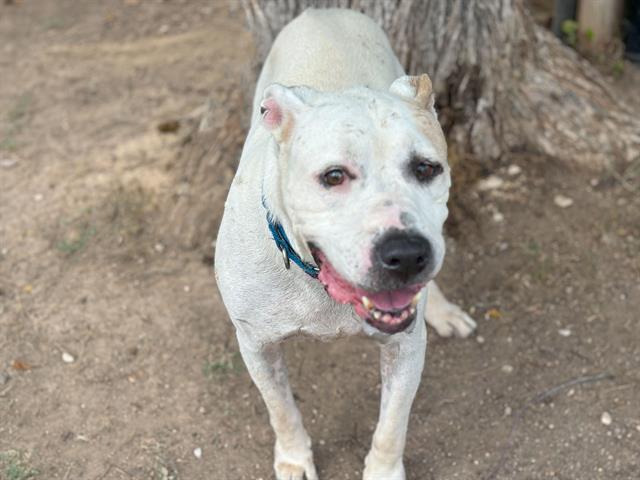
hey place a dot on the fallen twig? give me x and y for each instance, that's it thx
(576, 381)
(540, 397)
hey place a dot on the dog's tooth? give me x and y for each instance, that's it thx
(386, 318)
(404, 314)
(414, 300)
(412, 310)
(377, 314)
(367, 303)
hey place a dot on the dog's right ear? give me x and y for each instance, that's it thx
(279, 107)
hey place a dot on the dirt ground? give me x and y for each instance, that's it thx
(117, 360)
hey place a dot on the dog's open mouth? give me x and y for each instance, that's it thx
(389, 311)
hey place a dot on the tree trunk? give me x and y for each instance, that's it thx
(205, 165)
(502, 83)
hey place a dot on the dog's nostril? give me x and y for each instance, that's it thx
(420, 260)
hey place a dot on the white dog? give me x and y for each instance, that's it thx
(333, 224)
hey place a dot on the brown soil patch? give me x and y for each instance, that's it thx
(88, 274)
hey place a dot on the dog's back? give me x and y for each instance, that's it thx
(330, 49)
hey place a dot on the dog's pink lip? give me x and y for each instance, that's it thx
(390, 311)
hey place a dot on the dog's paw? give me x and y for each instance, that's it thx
(288, 471)
(450, 320)
(375, 470)
(294, 464)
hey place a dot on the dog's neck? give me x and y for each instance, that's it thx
(289, 254)
(292, 248)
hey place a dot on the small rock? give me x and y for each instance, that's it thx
(497, 217)
(8, 162)
(187, 288)
(197, 453)
(507, 368)
(38, 197)
(564, 332)
(480, 339)
(606, 418)
(4, 378)
(163, 29)
(164, 473)
(594, 182)
(607, 239)
(514, 170)
(67, 357)
(492, 182)
(507, 411)
(562, 201)
(159, 247)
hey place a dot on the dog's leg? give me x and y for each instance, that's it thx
(447, 318)
(293, 456)
(401, 365)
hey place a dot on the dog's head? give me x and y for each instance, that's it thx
(363, 181)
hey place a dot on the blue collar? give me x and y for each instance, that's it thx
(283, 244)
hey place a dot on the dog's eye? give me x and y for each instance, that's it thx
(424, 170)
(333, 177)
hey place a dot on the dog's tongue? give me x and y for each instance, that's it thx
(394, 299)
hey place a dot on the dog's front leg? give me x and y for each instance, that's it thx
(293, 455)
(401, 365)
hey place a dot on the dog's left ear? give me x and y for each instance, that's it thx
(279, 108)
(416, 89)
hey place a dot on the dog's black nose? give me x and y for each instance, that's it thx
(405, 254)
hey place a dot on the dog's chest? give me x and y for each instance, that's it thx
(312, 312)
